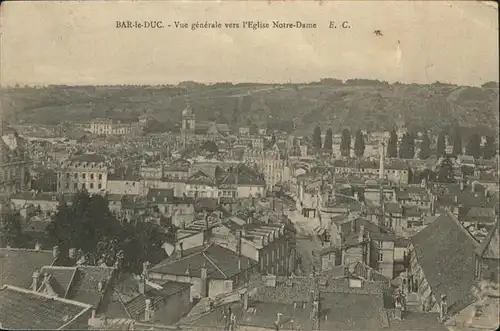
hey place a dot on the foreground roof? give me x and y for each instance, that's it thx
(23, 309)
(445, 252)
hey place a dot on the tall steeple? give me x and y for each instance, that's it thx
(188, 122)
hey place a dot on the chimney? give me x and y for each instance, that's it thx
(278, 319)
(142, 284)
(100, 286)
(34, 285)
(443, 308)
(38, 246)
(180, 250)
(145, 270)
(369, 274)
(353, 224)
(346, 271)
(204, 281)
(239, 264)
(238, 242)
(474, 187)
(456, 199)
(394, 198)
(361, 234)
(245, 301)
(462, 184)
(45, 277)
(93, 313)
(55, 252)
(72, 253)
(147, 311)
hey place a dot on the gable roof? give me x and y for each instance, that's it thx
(24, 309)
(157, 195)
(221, 263)
(445, 252)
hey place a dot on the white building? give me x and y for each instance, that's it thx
(87, 171)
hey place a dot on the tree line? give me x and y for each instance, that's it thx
(406, 148)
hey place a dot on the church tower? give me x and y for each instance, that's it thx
(188, 124)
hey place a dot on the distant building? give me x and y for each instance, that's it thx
(107, 127)
(13, 162)
(86, 171)
(268, 162)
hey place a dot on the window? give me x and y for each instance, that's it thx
(67, 175)
(100, 176)
(99, 186)
(76, 176)
(67, 185)
(83, 176)
(75, 186)
(91, 176)
(380, 244)
(91, 185)
(380, 257)
(83, 186)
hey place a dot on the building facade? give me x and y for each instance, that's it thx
(13, 162)
(87, 171)
(106, 127)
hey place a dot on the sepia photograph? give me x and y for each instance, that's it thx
(261, 165)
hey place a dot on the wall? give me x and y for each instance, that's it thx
(246, 191)
(124, 187)
(175, 307)
(195, 281)
(80, 323)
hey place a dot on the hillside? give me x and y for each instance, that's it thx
(355, 104)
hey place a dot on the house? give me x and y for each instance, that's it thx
(44, 202)
(442, 265)
(367, 242)
(270, 245)
(115, 203)
(85, 171)
(201, 185)
(129, 185)
(24, 309)
(211, 269)
(144, 300)
(242, 182)
(181, 210)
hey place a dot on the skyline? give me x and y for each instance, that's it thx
(449, 42)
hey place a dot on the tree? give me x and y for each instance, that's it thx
(345, 143)
(359, 144)
(445, 172)
(441, 144)
(84, 224)
(457, 143)
(328, 144)
(316, 138)
(392, 145)
(425, 147)
(490, 148)
(473, 147)
(210, 146)
(407, 148)
(11, 229)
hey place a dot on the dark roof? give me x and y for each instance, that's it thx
(445, 252)
(200, 178)
(43, 196)
(135, 302)
(96, 158)
(350, 311)
(221, 263)
(18, 265)
(24, 309)
(264, 314)
(61, 278)
(84, 287)
(242, 179)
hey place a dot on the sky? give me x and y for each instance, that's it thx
(77, 43)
